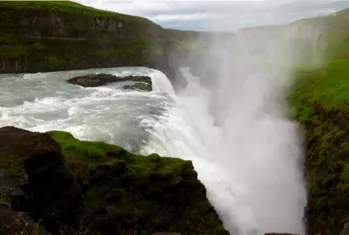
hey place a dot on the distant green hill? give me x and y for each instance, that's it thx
(40, 36)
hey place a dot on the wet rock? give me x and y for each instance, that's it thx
(165, 234)
(280, 234)
(94, 80)
(50, 191)
(139, 86)
(16, 146)
(12, 222)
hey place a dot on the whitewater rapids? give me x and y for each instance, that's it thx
(245, 164)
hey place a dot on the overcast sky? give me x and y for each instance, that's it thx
(220, 15)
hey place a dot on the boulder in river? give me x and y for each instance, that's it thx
(165, 234)
(94, 80)
(143, 86)
(280, 234)
(75, 187)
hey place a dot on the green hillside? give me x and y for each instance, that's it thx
(320, 99)
(42, 36)
(68, 7)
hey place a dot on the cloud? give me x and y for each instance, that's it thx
(220, 15)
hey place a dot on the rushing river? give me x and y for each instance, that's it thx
(247, 152)
(145, 122)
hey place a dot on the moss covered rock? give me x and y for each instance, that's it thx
(75, 185)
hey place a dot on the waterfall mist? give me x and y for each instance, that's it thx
(246, 78)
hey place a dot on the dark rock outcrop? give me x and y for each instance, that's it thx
(76, 186)
(280, 234)
(12, 222)
(165, 234)
(93, 80)
(50, 190)
(345, 230)
(139, 86)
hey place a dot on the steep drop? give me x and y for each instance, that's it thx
(259, 147)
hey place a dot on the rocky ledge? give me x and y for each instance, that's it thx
(68, 186)
(280, 234)
(143, 83)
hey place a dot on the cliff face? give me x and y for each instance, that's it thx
(49, 36)
(321, 106)
(70, 186)
(320, 101)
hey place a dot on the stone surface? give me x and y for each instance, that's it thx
(12, 222)
(165, 234)
(345, 230)
(74, 186)
(280, 234)
(93, 80)
(50, 190)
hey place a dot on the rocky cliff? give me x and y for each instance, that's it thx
(320, 101)
(49, 36)
(68, 186)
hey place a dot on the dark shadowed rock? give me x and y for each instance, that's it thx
(139, 86)
(280, 234)
(17, 145)
(94, 80)
(12, 222)
(165, 234)
(345, 230)
(111, 191)
(35, 164)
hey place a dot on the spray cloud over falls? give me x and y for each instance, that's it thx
(246, 79)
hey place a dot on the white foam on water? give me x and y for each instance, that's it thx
(249, 162)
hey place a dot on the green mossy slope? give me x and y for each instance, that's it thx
(83, 187)
(321, 103)
(143, 193)
(48, 36)
(42, 36)
(66, 7)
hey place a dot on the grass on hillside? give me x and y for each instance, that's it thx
(68, 7)
(141, 193)
(320, 102)
(328, 85)
(89, 152)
